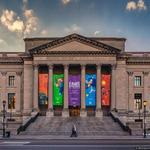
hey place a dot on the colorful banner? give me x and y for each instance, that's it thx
(43, 89)
(105, 90)
(90, 89)
(74, 90)
(58, 89)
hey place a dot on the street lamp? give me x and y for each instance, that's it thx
(144, 103)
(4, 104)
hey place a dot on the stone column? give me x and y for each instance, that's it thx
(50, 91)
(65, 112)
(113, 87)
(4, 84)
(130, 92)
(35, 90)
(18, 93)
(146, 95)
(83, 108)
(28, 79)
(98, 91)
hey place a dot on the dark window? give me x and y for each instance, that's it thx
(11, 81)
(138, 100)
(11, 100)
(137, 81)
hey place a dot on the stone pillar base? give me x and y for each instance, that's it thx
(83, 113)
(99, 113)
(65, 113)
(34, 113)
(27, 112)
(50, 113)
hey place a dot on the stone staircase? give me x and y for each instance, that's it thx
(136, 127)
(85, 126)
(11, 126)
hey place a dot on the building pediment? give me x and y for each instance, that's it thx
(74, 43)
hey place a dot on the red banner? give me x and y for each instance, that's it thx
(43, 83)
(105, 90)
(43, 88)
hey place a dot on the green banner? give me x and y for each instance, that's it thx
(58, 88)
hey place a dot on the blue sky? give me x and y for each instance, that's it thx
(52, 18)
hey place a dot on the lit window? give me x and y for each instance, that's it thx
(137, 81)
(11, 100)
(11, 81)
(138, 100)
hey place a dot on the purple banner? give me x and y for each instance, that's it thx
(74, 90)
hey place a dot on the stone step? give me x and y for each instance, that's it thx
(63, 126)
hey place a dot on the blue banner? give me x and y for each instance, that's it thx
(90, 87)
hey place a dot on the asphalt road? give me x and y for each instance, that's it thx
(74, 144)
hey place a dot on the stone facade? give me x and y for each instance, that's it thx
(75, 50)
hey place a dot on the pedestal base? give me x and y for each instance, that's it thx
(50, 113)
(99, 113)
(27, 112)
(33, 114)
(83, 113)
(65, 113)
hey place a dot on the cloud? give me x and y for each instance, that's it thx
(65, 2)
(2, 41)
(132, 5)
(44, 32)
(25, 4)
(141, 5)
(73, 29)
(97, 32)
(31, 21)
(14, 23)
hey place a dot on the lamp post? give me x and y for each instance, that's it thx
(4, 104)
(144, 103)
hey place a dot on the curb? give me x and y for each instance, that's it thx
(74, 138)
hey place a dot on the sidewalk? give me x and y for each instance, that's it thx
(42, 137)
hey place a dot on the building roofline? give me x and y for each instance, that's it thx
(138, 52)
(55, 38)
(12, 52)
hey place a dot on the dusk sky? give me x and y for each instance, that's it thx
(94, 18)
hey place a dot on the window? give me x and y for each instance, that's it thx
(138, 100)
(137, 81)
(11, 81)
(11, 100)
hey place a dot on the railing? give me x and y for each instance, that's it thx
(24, 127)
(124, 127)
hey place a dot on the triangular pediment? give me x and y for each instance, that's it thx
(73, 46)
(74, 43)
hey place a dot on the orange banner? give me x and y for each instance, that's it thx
(105, 90)
(43, 83)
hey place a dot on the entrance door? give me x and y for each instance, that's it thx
(57, 110)
(90, 111)
(74, 111)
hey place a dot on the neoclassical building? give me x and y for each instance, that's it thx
(74, 76)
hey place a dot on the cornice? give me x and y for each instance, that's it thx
(74, 53)
(11, 60)
(138, 60)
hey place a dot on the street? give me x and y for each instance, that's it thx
(74, 144)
